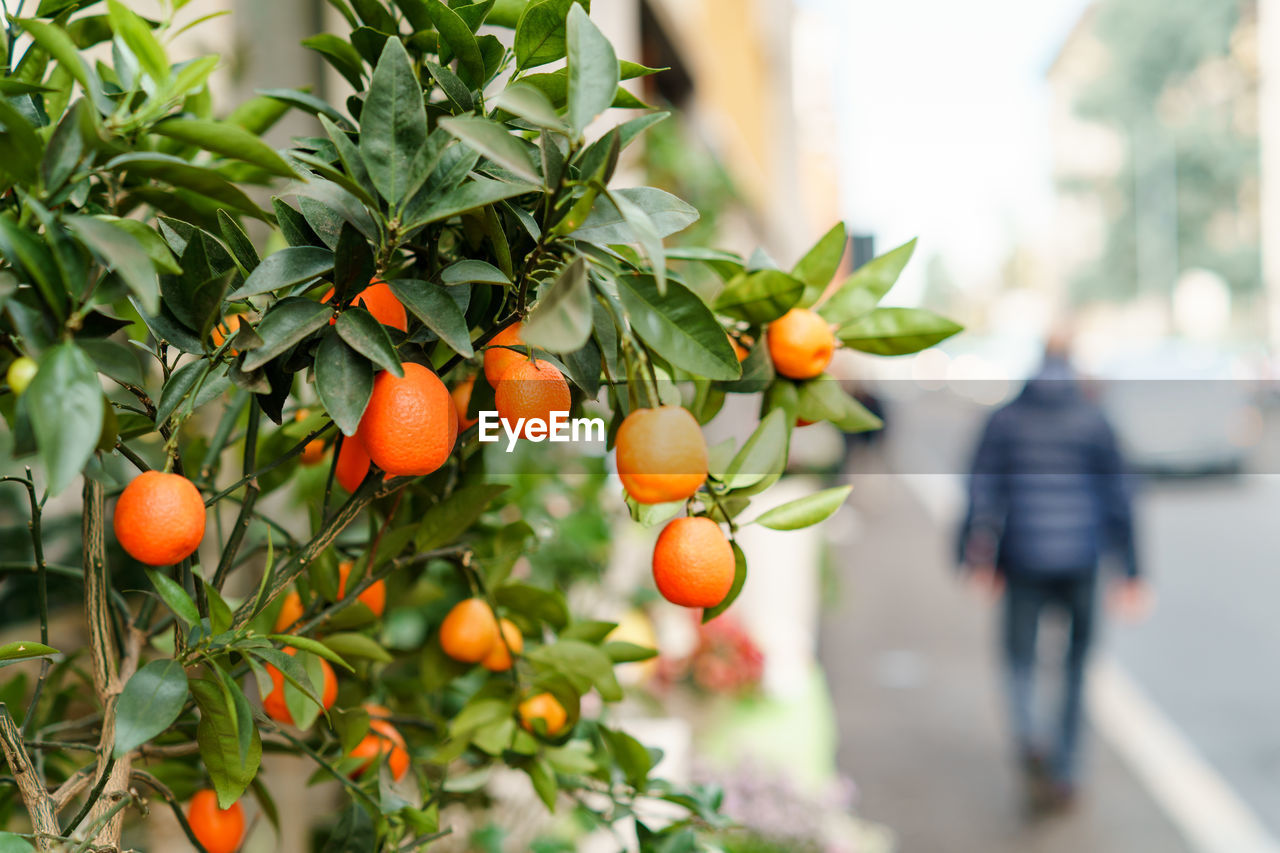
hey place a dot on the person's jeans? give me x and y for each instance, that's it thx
(1025, 599)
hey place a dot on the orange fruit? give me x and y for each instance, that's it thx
(499, 658)
(531, 390)
(380, 301)
(693, 563)
(739, 350)
(290, 612)
(375, 597)
(410, 424)
(228, 327)
(274, 704)
(313, 453)
(353, 463)
(468, 633)
(379, 722)
(801, 344)
(159, 518)
(497, 360)
(662, 455)
(543, 707)
(219, 830)
(461, 395)
(377, 746)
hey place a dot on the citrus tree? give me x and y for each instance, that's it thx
(291, 537)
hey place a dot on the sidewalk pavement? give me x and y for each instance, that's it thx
(910, 657)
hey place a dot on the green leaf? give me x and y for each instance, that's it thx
(55, 42)
(341, 55)
(760, 297)
(351, 645)
(173, 595)
(293, 670)
(344, 382)
(230, 745)
(461, 41)
(819, 265)
(316, 647)
(24, 249)
(473, 272)
(606, 224)
(286, 268)
(190, 387)
(470, 195)
(238, 242)
(593, 70)
(679, 327)
(219, 611)
(454, 89)
(446, 521)
(432, 304)
(24, 650)
(529, 103)
(150, 702)
(739, 580)
(823, 399)
(862, 291)
(538, 604)
(303, 101)
(897, 331)
(120, 251)
(577, 661)
(561, 321)
(11, 842)
(544, 782)
(540, 33)
(65, 404)
(764, 454)
(288, 322)
(178, 172)
(393, 122)
(228, 140)
(21, 146)
(368, 337)
(621, 652)
(494, 142)
(806, 511)
(632, 757)
(138, 36)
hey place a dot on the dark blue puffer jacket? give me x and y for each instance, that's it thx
(1048, 492)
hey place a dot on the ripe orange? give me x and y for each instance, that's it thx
(801, 344)
(379, 722)
(497, 360)
(693, 563)
(543, 707)
(313, 453)
(228, 327)
(290, 612)
(739, 350)
(219, 830)
(468, 633)
(353, 463)
(374, 748)
(380, 301)
(159, 518)
(531, 390)
(461, 395)
(375, 597)
(274, 703)
(410, 424)
(499, 658)
(662, 455)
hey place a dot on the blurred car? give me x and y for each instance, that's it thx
(1181, 409)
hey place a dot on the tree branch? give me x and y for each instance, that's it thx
(38, 802)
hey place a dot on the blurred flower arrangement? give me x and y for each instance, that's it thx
(725, 660)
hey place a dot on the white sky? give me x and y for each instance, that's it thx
(944, 119)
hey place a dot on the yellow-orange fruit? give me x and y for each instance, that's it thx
(380, 301)
(531, 390)
(375, 597)
(290, 612)
(228, 327)
(159, 518)
(218, 830)
(353, 463)
(499, 657)
(693, 563)
(497, 360)
(543, 707)
(313, 453)
(274, 702)
(461, 395)
(800, 343)
(383, 742)
(410, 424)
(469, 631)
(662, 455)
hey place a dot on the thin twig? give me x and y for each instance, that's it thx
(163, 790)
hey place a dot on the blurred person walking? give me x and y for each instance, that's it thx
(1048, 498)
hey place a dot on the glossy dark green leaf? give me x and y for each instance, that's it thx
(344, 58)
(446, 521)
(356, 646)
(453, 87)
(227, 139)
(178, 172)
(540, 33)
(493, 141)
(393, 121)
(285, 269)
(861, 292)
(174, 597)
(897, 331)
(461, 42)
(54, 40)
(354, 265)
(221, 735)
(22, 248)
(679, 327)
(67, 147)
(561, 320)
(606, 224)
(592, 68)
(114, 359)
(344, 381)
(367, 336)
(437, 310)
(473, 272)
(760, 297)
(151, 700)
(306, 102)
(65, 404)
(533, 602)
(288, 322)
(739, 580)
(470, 195)
(238, 242)
(118, 250)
